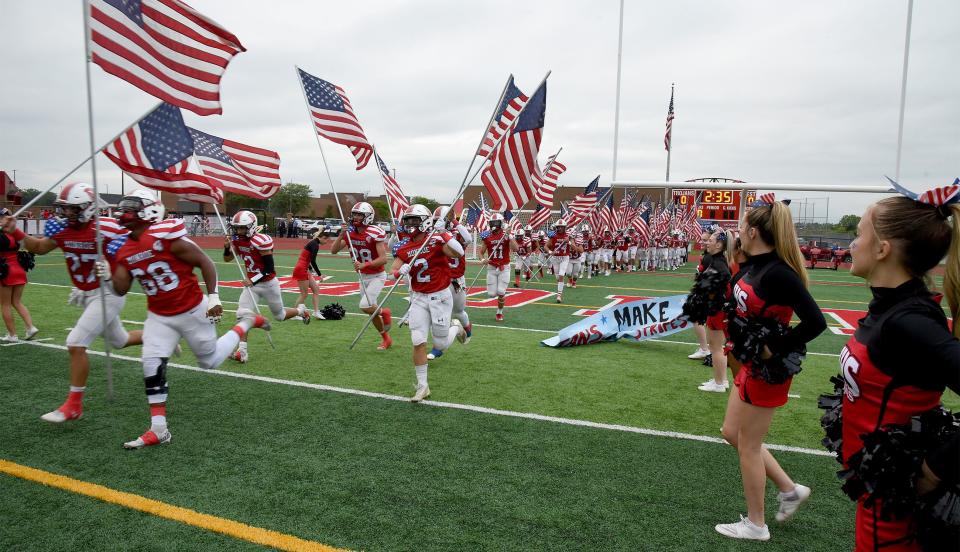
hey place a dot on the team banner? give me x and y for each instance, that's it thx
(635, 321)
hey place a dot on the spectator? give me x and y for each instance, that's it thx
(296, 227)
(281, 228)
(14, 279)
(195, 225)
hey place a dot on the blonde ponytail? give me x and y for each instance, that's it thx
(951, 279)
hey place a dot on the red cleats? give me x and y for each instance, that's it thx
(148, 439)
(386, 343)
(63, 414)
(499, 317)
(387, 318)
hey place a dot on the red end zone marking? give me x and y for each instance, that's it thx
(515, 297)
(847, 319)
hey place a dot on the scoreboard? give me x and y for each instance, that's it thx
(714, 205)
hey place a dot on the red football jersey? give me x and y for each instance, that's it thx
(498, 249)
(251, 250)
(458, 267)
(623, 243)
(169, 283)
(607, 242)
(79, 246)
(559, 245)
(364, 240)
(430, 272)
(524, 246)
(574, 253)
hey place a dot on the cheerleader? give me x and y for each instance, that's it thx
(303, 276)
(769, 289)
(703, 349)
(13, 278)
(900, 360)
(719, 247)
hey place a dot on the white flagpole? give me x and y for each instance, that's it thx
(669, 151)
(616, 116)
(463, 188)
(336, 198)
(96, 195)
(903, 85)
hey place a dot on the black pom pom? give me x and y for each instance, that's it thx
(26, 260)
(333, 311)
(708, 360)
(707, 296)
(832, 419)
(938, 519)
(4, 269)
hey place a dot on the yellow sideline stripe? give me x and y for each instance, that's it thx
(227, 527)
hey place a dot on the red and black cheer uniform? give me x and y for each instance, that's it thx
(896, 366)
(308, 258)
(16, 275)
(766, 287)
(717, 320)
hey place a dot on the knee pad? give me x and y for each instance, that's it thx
(155, 377)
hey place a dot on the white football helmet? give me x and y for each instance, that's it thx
(416, 218)
(243, 219)
(80, 196)
(560, 224)
(143, 204)
(584, 229)
(528, 229)
(521, 232)
(496, 221)
(440, 221)
(365, 210)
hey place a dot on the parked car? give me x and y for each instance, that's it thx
(332, 226)
(310, 226)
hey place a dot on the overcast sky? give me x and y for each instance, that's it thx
(770, 91)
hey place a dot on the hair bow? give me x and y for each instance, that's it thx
(768, 199)
(944, 195)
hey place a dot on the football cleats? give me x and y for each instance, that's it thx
(243, 219)
(362, 213)
(75, 202)
(416, 219)
(140, 204)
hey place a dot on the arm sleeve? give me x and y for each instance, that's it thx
(313, 247)
(452, 243)
(268, 267)
(786, 288)
(465, 234)
(932, 359)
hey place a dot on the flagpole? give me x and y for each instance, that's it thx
(616, 116)
(336, 198)
(243, 272)
(98, 236)
(463, 188)
(75, 169)
(667, 196)
(903, 85)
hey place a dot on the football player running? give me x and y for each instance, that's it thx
(559, 248)
(458, 284)
(73, 231)
(431, 301)
(522, 260)
(260, 281)
(369, 247)
(159, 255)
(495, 253)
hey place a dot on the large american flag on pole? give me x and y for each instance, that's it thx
(583, 203)
(606, 215)
(156, 152)
(238, 168)
(333, 116)
(510, 176)
(163, 47)
(513, 101)
(540, 215)
(641, 223)
(669, 134)
(547, 184)
(398, 202)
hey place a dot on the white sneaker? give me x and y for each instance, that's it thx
(10, 339)
(461, 333)
(699, 354)
(318, 316)
(149, 439)
(58, 417)
(31, 333)
(788, 506)
(743, 529)
(422, 393)
(713, 386)
(303, 314)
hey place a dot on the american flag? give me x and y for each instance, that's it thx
(509, 175)
(238, 168)
(547, 185)
(584, 203)
(156, 151)
(664, 220)
(606, 215)
(668, 136)
(513, 222)
(641, 223)
(163, 47)
(513, 101)
(620, 217)
(477, 218)
(398, 202)
(540, 215)
(333, 116)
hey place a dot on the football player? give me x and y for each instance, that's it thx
(576, 260)
(495, 253)
(368, 246)
(458, 268)
(521, 262)
(73, 231)
(431, 302)
(260, 281)
(159, 255)
(559, 248)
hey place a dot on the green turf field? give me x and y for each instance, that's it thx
(362, 471)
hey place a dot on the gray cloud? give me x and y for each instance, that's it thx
(767, 92)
